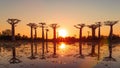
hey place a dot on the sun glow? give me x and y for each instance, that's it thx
(62, 46)
(62, 33)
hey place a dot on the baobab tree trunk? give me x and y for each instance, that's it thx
(13, 32)
(43, 34)
(111, 31)
(35, 33)
(99, 33)
(31, 33)
(54, 34)
(80, 35)
(93, 33)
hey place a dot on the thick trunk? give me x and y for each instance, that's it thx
(31, 33)
(35, 33)
(13, 32)
(111, 32)
(43, 33)
(93, 33)
(80, 34)
(99, 33)
(54, 34)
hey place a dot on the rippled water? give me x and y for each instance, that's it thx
(77, 55)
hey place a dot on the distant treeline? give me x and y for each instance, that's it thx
(115, 38)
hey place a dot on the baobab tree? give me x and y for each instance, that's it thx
(31, 25)
(93, 27)
(99, 25)
(42, 25)
(54, 26)
(111, 24)
(35, 28)
(80, 27)
(13, 23)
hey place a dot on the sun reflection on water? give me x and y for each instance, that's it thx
(62, 46)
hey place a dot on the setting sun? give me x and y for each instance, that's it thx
(62, 33)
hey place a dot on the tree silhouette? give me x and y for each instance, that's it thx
(35, 28)
(110, 23)
(54, 26)
(42, 25)
(13, 23)
(99, 25)
(31, 25)
(80, 27)
(93, 27)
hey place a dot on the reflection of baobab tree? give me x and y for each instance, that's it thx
(99, 45)
(93, 54)
(54, 26)
(93, 27)
(32, 52)
(110, 23)
(80, 27)
(13, 23)
(14, 59)
(36, 47)
(31, 25)
(42, 25)
(47, 40)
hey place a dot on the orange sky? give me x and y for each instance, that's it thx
(66, 13)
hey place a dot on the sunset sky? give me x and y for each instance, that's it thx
(66, 13)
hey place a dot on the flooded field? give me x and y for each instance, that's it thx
(59, 55)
